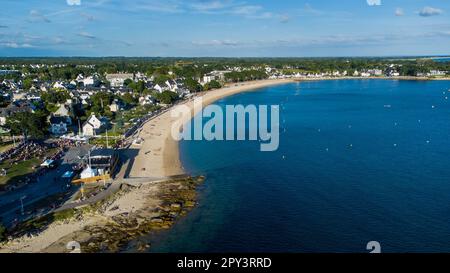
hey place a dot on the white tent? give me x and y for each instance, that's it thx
(47, 163)
(88, 172)
(67, 174)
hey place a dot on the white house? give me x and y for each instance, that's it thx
(140, 77)
(114, 107)
(117, 80)
(172, 85)
(214, 76)
(88, 173)
(146, 100)
(80, 78)
(63, 111)
(158, 88)
(92, 126)
(375, 72)
(59, 85)
(19, 96)
(436, 73)
(208, 78)
(91, 81)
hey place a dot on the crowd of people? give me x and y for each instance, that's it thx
(65, 143)
(10, 153)
(24, 151)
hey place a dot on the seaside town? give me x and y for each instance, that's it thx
(74, 131)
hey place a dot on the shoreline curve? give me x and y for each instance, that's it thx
(159, 153)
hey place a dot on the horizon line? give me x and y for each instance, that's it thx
(222, 57)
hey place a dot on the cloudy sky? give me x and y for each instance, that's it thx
(224, 28)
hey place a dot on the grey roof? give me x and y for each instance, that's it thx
(102, 152)
(58, 120)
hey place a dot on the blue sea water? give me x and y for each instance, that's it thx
(442, 60)
(359, 160)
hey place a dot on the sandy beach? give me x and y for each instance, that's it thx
(158, 155)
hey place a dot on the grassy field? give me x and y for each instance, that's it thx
(102, 141)
(5, 146)
(17, 170)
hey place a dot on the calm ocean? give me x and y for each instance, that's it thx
(359, 160)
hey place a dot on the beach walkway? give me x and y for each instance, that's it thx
(114, 187)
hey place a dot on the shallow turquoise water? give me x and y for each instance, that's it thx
(349, 170)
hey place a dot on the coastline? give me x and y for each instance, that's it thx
(159, 153)
(143, 204)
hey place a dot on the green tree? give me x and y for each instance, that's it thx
(138, 87)
(167, 97)
(55, 96)
(51, 108)
(100, 104)
(246, 75)
(192, 85)
(161, 79)
(129, 99)
(2, 233)
(31, 125)
(27, 83)
(3, 101)
(163, 70)
(127, 82)
(212, 85)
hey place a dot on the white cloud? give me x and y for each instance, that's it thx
(15, 45)
(216, 43)
(247, 10)
(374, 2)
(86, 35)
(73, 2)
(399, 12)
(208, 6)
(430, 11)
(211, 7)
(59, 40)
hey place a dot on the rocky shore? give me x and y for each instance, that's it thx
(108, 226)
